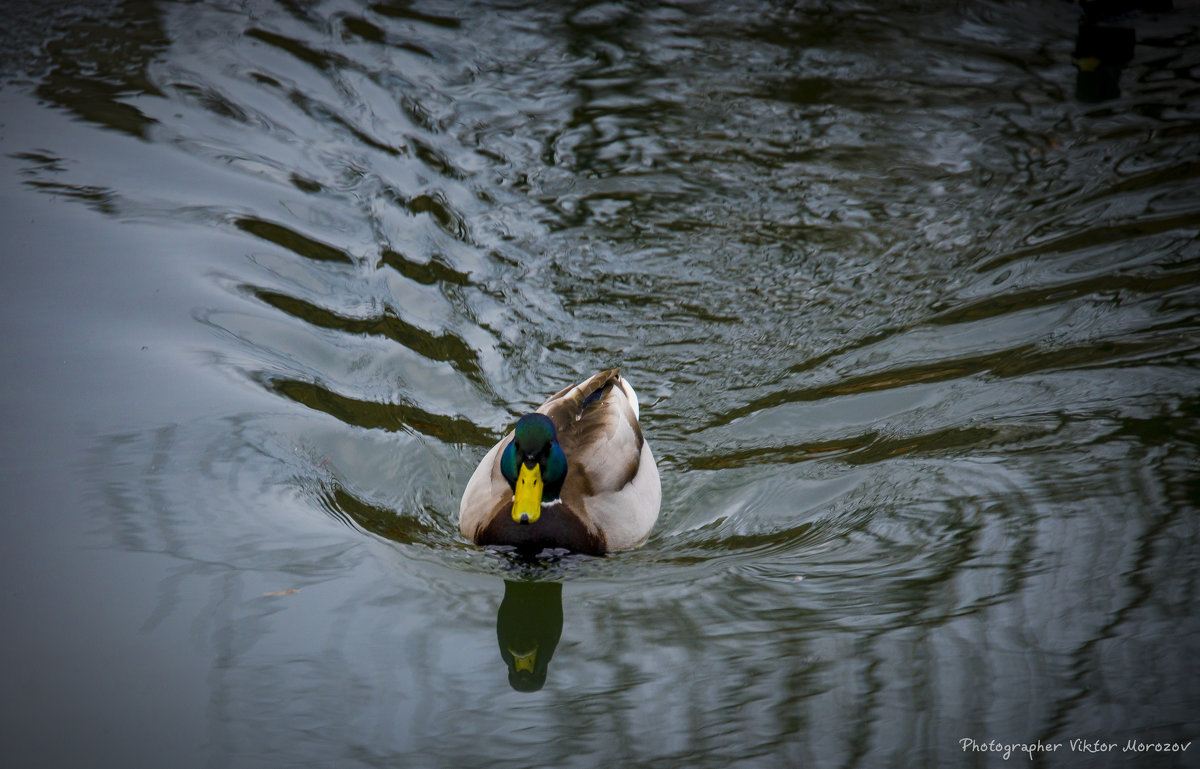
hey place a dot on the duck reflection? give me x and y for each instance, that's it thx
(1100, 55)
(528, 626)
(1102, 50)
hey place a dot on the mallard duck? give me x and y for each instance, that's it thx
(576, 474)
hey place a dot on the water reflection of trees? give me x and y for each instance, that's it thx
(97, 64)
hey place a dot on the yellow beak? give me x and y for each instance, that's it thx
(524, 661)
(527, 496)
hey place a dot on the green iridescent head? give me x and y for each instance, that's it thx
(534, 465)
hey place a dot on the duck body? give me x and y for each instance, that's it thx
(576, 474)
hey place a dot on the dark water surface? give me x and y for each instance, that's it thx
(910, 300)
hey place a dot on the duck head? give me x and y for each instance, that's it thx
(534, 465)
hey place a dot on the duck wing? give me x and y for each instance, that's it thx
(597, 425)
(612, 481)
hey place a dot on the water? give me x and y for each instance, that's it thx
(911, 305)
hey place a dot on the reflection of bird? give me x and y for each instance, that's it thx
(1101, 52)
(576, 474)
(528, 627)
(1100, 55)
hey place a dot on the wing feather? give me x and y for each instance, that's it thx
(598, 431)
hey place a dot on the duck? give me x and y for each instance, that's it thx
(576, 474)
